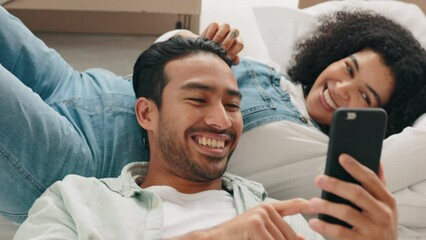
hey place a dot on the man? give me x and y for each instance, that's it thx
(188, 102)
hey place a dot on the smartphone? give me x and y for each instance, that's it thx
(358, 132)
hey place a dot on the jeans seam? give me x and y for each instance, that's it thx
(9, 160)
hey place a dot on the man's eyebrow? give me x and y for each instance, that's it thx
(197, 86)
(203, 87)
(376, 95)
(235, 93)
(355, 61)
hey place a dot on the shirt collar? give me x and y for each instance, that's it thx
(126, 184)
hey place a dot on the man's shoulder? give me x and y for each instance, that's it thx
(73, 178)
(78, 184)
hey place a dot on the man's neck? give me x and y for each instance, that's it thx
(159, 176)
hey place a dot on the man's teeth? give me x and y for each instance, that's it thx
(211, 142)
(329, 100)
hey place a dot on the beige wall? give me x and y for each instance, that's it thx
(144, 17)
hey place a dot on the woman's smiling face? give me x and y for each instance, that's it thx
(361, 80)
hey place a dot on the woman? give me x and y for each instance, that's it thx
(345, 34)
(353, 59)
(88, 127)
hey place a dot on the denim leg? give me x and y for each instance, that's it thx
(24, 55)
(56, 121)
(100, 106)
(38, 146)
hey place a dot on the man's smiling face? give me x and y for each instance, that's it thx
(199, 121)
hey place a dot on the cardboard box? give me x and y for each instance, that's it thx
(144, 17)
(308, 3)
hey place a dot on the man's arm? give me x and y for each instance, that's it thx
(48, 219)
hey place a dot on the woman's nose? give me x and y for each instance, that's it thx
(343, 89)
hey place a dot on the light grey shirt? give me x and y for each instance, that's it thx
(117, 208)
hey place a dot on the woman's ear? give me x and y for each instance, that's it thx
(146, 113)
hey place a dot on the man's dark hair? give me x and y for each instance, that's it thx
(149, 78)
(343, 33)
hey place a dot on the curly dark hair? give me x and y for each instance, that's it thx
(343, 33)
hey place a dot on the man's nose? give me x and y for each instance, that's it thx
(217, 117)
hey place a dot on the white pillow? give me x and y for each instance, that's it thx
(280, 28)
(270, 20)
(239, 14)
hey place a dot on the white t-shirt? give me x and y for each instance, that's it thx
(185, 213)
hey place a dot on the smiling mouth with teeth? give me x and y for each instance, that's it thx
(211, 142)
(328, 99)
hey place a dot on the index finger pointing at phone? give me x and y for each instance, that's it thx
(293, 206)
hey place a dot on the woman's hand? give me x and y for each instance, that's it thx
(227, 37)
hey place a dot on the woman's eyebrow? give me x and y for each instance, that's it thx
(371, 89)
(376, 95)
(355, 61)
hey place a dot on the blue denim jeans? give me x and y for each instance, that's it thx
(56, 121)
(264, 101)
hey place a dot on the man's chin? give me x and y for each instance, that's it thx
(212, 172)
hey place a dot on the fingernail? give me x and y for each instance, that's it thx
(228, 56)
(348, 160)
(320, 180)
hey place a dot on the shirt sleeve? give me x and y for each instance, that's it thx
(48, 219)
(301, 226)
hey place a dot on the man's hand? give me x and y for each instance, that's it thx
(378, 218)
(227, 37)
(262, 222)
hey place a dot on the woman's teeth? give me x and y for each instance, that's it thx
(211, 142)
(329, 100)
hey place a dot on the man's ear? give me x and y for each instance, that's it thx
(146, 113)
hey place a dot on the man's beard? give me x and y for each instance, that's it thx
(178, 155)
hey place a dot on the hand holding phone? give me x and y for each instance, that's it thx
(359, 133)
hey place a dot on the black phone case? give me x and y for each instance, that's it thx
(359, 133)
